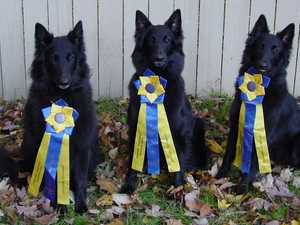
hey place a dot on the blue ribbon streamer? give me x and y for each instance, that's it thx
(54, 150)
(152, 127)
(250, 112)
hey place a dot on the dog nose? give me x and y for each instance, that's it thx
(159, 58)
(263, 65)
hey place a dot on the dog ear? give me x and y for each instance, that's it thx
(42, 37)
(141, 22)
(261, 26)
(287, 34)
(174, 22)
(76, 35)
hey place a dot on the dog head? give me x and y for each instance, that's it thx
(268, 53)
(57, 58)
(157, 42)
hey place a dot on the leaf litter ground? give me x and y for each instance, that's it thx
(274, 198)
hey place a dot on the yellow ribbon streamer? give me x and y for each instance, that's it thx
(63, 173)
(140, 140)
(240, 138)
(261, 141)
(39, 166)
(167, 140)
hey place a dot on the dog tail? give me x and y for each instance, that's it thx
(7, 163)
(200, 149)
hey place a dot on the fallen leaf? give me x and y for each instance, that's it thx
(214, 146)
(107, 215)
(121, 199)
(214, 170)
(107, 184)
(104, 200)
(116, 222)
(172, 221)
(47, 219)
(94, 211)
(280, 192)
(118, 210)
(296, 182)
(154, 211)
(21, 193)
(27, 210)
(113, 153)
(286, 175)
(205, 210)
(194, 206)
(201, 221)
(259, 203)
(222, 205)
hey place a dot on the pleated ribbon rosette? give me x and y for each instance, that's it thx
(153, 125)
(251, 128)
(53, 159)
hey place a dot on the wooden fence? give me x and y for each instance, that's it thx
(214, 30)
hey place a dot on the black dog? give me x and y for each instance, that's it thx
(59, 71)
(269, 55)
(159, 48)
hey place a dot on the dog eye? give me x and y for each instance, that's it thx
(261, 45)
(152, 39)
(70, 57)
(275, 49)
(55, 58)
(167, 40)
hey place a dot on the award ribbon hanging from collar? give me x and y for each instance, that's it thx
(53, 155)
(153, 122)
(251, 122)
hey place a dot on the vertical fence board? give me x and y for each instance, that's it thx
(266, 7)
(235, 33)
(210, 46)
(213, 46)
(60, 16)
(111, 53)
(287, 11)
(129, 29)
(87, 13)
(160, 11)
(12, 49)
(35, 11)
(189, 14)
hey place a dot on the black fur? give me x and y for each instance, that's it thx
(59, 71)
(159, 48)
(269, 54)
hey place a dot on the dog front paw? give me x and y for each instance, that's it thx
(127, 189)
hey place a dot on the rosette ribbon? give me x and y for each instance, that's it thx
(153, 125)
(53, 159)
(251, 127)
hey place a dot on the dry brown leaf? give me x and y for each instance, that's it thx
(120, 199)
(154, 211)
(106, 184)
(194, 206)
(205, 210)
(107, 216)
(104, 200)
(47, 219)
(214, 146)
(116, 222)
(172, 221)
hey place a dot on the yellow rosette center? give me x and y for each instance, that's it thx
(60, 117)
(150, 87)
(252, 86)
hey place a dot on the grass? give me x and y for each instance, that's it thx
(214, 109)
